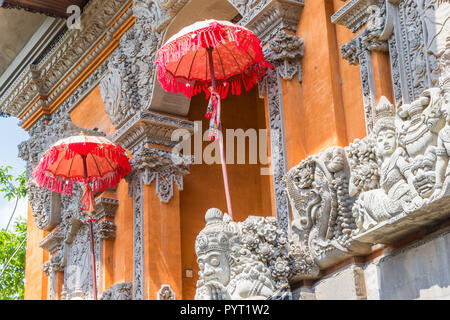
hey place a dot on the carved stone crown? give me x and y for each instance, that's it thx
(217, 234)
(384, 115)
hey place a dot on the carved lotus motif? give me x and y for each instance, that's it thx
(280, 269)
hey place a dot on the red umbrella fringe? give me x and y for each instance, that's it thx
(251, 77)
(65, 184)
(209, 37)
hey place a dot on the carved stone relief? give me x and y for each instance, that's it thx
(166, 293)
(380, 188)
(242, 260)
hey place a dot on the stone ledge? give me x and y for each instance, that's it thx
(390, 231)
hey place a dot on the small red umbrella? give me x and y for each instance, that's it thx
(94, 161)
(214, 57)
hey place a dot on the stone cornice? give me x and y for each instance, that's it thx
(353, 14)
(269, 17)
(69, 52)
(150, 127)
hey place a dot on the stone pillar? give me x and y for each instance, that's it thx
(284, 52)
(154, 184)
(53, 268)
(105, 232)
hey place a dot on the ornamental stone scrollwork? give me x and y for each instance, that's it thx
(285, 53)
(119, 291)
(163, 167)
(166, 293)
(242, 260)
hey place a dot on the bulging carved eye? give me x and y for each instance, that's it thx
(214, 262)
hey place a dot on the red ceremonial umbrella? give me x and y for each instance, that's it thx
(94, 161)
(216, 57)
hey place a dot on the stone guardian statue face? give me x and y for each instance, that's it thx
(214, 266)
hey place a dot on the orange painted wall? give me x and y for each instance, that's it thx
(162, 243)
(122, 244)
(203, 187)
(326, 108)
(36, 282)
(90, 113)
(350, 84)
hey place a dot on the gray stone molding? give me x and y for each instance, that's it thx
(272, 83)
(165, 168)
(150, 127)
(353, 14)
(105, 207)
(52, 242)
(268, 17)
(284, 52)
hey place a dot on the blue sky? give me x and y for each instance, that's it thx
(11, 134)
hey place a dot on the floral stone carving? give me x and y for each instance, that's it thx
(242, 260)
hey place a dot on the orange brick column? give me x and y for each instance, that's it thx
(36, 286)
(154, 185)
(162, 243)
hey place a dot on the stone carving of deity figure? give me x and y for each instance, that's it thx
(237, 263)
(396, 193)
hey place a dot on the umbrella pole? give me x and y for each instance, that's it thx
(222, 153)
(91, 232)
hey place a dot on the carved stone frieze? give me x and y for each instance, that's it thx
(163, 167)
(242, 260)
(105, 229)
(354, 14)
(378, 189)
